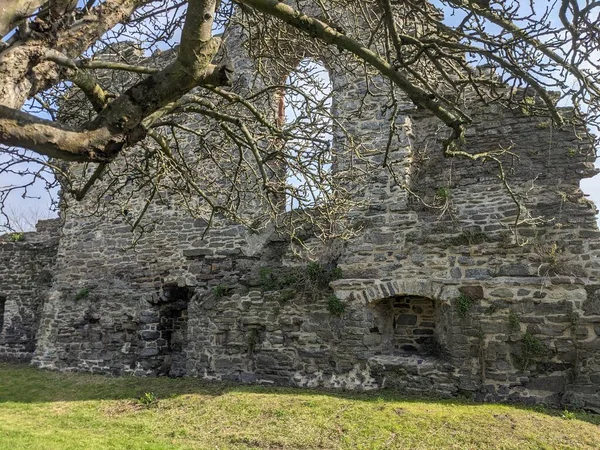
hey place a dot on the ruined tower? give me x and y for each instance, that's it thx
(450, 298)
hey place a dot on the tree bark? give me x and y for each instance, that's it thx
(13, 11)
(119, 123)
(23, 69)
(48, 138)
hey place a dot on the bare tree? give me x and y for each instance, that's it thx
(22, 220)
(137, 104)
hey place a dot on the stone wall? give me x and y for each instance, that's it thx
(451, 287)
(26, 271)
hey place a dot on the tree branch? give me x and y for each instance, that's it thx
(20, 129)
(324, 32)
(90, 87)
(22, 75)
(14, 11)
(120, 123)
(65, 61)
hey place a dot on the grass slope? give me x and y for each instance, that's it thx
(49, 410)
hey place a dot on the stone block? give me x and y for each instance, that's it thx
(502, 293)
(196, 252)
(478, 274)
(513, 270)
(406, 319)
(147, 352)
(455, 273)
(149, 317)
(473, 292)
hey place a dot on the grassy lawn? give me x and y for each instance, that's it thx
(48, 410)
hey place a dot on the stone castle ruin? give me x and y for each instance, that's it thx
(451, 304)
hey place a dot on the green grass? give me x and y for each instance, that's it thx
(48, 410)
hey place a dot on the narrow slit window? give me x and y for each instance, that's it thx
(2, 307)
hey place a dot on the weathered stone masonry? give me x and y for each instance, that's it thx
(447, 303)
(26, 269)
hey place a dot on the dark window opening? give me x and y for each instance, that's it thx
(2, 307)
(172, 328)
(407, 325)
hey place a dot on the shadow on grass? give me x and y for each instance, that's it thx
(20, 383)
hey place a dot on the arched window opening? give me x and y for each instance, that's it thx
(306, 105)
(407, 325)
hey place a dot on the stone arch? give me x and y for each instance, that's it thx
(405, 317)
(362, 138)
(369, 291)
(406, 325)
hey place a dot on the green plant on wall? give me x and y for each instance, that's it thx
(552, 255)
(314, 270)
(17, 237)
(82, 293)
(286, 295)
(442, 201)
(463, 304)
(443, 193)
(514, 322)
(267, 281)
(335, 306)
(310, 278)
(220, 290)
(276, 280)
(531, 348)
(554, 261)
(320, 275)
